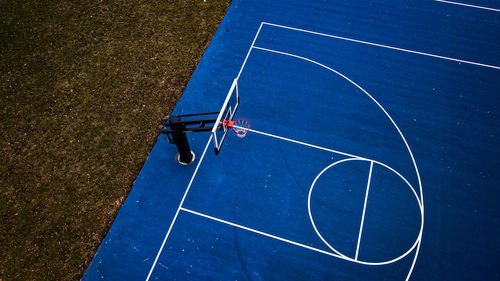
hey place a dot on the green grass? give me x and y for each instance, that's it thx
(84, 88)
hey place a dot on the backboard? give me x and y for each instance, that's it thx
(227, 112)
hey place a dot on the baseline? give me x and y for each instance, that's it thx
(196, 170)
(249, 50)
(178, 209)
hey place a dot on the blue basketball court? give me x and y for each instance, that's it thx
(371, 155)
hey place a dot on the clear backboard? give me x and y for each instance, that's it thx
(226, 114)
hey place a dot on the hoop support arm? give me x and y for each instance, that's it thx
(176, 130)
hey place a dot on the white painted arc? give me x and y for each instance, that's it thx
(417, 240)
(380, 106)
(366, 93)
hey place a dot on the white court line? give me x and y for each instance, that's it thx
(196, 170)
(262, 233)
(370, 96)
(468, 5)
(178, 209)
(417, 241)
(249, 50)
(392, 121)
(280, 238)
(310, 145)
(383, 46)
(364, 209)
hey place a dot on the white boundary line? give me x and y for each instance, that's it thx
(279, 238)
(468, 5)
(383, 46)
(178, 209)
(196, 170)
(262, 233)
(249, 50)
(364, 209)
(310, 145)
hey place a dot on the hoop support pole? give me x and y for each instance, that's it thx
(180, 140)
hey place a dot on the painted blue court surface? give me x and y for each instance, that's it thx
(372, 153)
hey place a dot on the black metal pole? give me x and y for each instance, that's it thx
(180, 139)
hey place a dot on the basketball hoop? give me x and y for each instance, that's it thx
(240, 127)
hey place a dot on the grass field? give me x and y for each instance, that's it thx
(84, 88)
